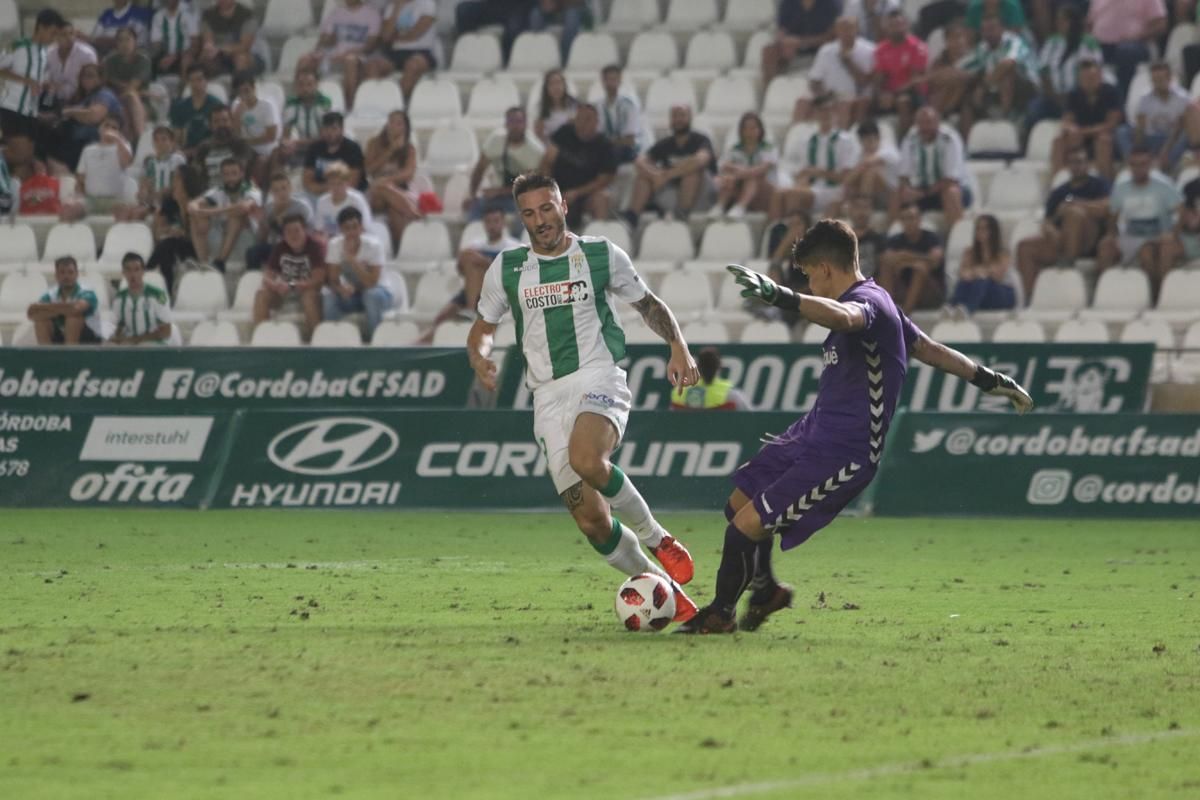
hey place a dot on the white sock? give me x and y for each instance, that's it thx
(629, 557)
(631, 507)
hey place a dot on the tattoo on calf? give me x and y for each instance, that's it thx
(658, 317)
(573, 496)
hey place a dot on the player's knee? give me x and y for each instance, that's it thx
(595, 525)
(590, 466)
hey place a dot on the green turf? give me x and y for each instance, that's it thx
(292, 655)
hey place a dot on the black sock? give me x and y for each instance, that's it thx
(736, 570)
(764, 582)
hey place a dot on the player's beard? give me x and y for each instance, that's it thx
(549, 240)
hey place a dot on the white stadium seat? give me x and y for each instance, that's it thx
(667, 240)
(706, 332)
(1019, 331)
(591, 51)
(451, 334)
(752, 60)
(1182, 35)
(534, 52)
(209, 333)
(688, 16)
(728, 97)
(284, 17)
(615, 231)
(275, 334)
(70, 239)
(1179, 298)
(435, 101)
(636, 332)
(17, 243)
(763, 332)
(1081, 331)
(241, 310)
(336, 334)
(964, 331)
(652, 52)
(98, 284)
(1186, 367)
(993, 136)
(687, 292)
(490, 97)
(425, 240)
(1058, 293)
(124, 237)
(377, 98)
(24, 335)
(475, 55)
(1154, 331)
(748, 15)
(1015, 193)
(780, 99)
(10, 19)
(337, 97)
(433, 290)
(664, 93)
(1121, 294)
(451, 149)
(727, 241)
(267, 90)
(201, 295)
(633, 15)
(391, 333)
(19, 290)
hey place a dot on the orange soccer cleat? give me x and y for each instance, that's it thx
(675, 559)
(685, 609)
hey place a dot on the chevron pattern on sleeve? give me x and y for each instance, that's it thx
(875, 390)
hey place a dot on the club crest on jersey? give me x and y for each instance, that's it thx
(552, 295)
(578, 262)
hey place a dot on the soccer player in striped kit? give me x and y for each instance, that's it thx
(560, 292)
(799, 481)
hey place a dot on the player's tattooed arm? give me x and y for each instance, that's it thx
(573, 497)
(659, 318)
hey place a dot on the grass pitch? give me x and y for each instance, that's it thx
(296, 655)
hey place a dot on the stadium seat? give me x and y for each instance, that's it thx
(748, 15)
(533, 53)
(706, 331)
(1058, 293)
(24, 335)
(591, 51)
(665, 92)
(957, 331)
(490, 97)
(124, 237)
(728, 97)
(626, 16)
(70, 239)
(1155, 331)
(1019, 331)
(378, 98)
(794, 152)
(219, 91)
(391, 333)
(435, 101)
(1179, 298)
(763, 332)
(275, 334)
(993, 137)
(454, 194)
(17, 243)
(710, 53)
(667, 240)
(1015, 191)
(688, 16)
(652, 53)
(201, 296)
(614, 230)
(1182, 35)
(452, 148)
(779, 101)
(336, 334)
(210, 333)
(425, 240)
(936, 43)
(100, 285)
(18, 291)
(1081, 331)
(476, 55)
(814, 334)
(293, 49)
(433, 290)
(337, 97)
(752, 60)
(10, 19)
(726, 240)
(241, 310)
(1041, 142)
(451, 334)
(1121, 294)
(284, 17)
(687, 293)
(1186, 368)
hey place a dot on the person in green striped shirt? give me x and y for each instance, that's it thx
(1004, 72)
(560, 292)
(301, 122)
(143, 311)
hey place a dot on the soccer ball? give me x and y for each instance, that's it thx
(645, 602)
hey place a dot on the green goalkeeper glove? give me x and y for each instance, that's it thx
(998, 383)
(754, 284)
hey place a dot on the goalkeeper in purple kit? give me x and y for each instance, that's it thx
(801, 479)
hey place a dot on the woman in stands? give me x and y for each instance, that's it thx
(391, 161)
(80, 122)
(557, 106)
(747, 173)
(983, 277)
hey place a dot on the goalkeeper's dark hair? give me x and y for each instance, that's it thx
(831, 242)
(708, 362)
(532, 181)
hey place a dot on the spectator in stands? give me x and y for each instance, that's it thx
(948, 83)
(1004, 74)
(781, 236)
(803, 26)
(69, 313)
(24, 76)
(556, 107)
(331, 147)
(570, 15)
(843, 68)
(1183, 242)
(911, 268)
(900, 63)
(1093, 112)
(356, 280)
(39, 191)
(505, 155)
(1159, 120)
(227, 33)
(474, 257)
(80, 122)
(391, 161)
(676, 171)
(512, 15)
(268, 219)
(877, 173)
(160, 192)
(1059, 62)
(190, 115)
(746, 175)
(127, 72)
(933, 172)
(100, 177)
(408, 40)
(302, 115)
(871, 16)
(339, 196)
(256, 120)
(223, 215)
(829, 156)
(983, 279)
(712, 393)
(620, 116)
(64, 61)
(1140, 216)
(174, 38)
(224, 143)
(871, 243)
(295, 271)
(581, 159)
(1126, 30)
(1010, 12)
(143, 311)
(348, 34)
(1075, 213)
(123, 14)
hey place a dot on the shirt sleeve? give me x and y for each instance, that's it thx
(820, 67)
(623, 280)
(162, 312)
(952, 162)
(89, 297)
(333, 254)
(633, 119)
(493, 302)
(909, 330)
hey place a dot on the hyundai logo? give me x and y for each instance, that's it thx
(333, 446)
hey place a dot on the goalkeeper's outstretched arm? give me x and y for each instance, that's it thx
(947, 359)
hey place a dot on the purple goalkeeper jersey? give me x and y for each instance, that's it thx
(861, 383)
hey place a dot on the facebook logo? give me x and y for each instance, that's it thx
(174, 384)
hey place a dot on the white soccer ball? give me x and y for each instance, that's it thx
(645, 602)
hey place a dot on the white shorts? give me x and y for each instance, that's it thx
(595, 390)
(1130, 246)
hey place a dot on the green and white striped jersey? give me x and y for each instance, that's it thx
(139, 314)
(304, 121)
(1064, 72)
(29, 61)
(984, 57)
(159, 171)
(562, 306)
(925, 163)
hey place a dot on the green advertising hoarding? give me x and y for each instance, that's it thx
(1057, 465)
(1086, 378)
(173, 380)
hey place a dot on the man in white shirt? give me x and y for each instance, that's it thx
(505, 154)
(257, 119)
(66, 58)
(348, 34)
(620, 116)
(223, 214)
(877, 173)
(844, 68)
(933, 171)
(356, 280)
(1159, 120)
(100, 176)
(827, 158)
(339, 196)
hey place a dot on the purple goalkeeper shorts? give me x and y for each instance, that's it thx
(798, 488)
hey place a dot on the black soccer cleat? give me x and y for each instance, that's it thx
(709, 620)
(757, 613)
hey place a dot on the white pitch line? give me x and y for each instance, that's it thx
(902, 768)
